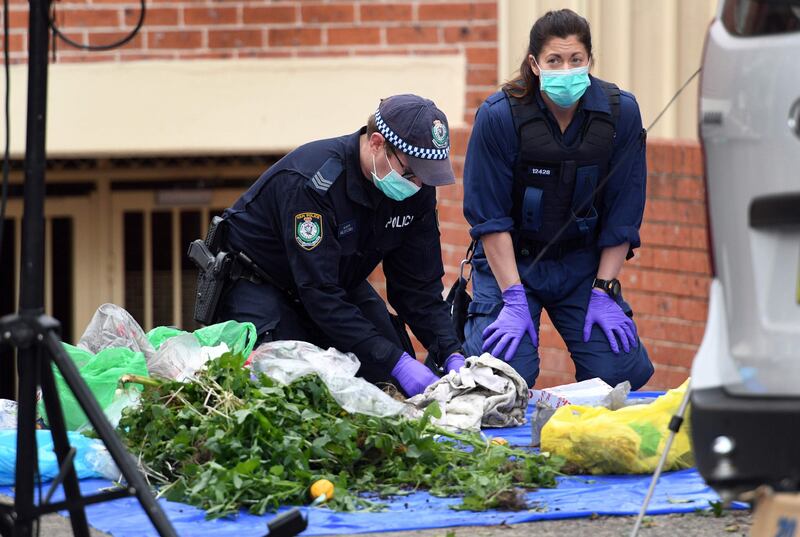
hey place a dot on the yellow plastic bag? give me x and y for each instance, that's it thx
(625, 441)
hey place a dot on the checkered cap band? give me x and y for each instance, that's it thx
(414, 151)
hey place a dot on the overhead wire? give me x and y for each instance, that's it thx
(96, 48)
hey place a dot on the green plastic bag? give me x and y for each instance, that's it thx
(158, 335)
(101, 372)
(239, 337)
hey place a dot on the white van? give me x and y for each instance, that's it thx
(746, 376)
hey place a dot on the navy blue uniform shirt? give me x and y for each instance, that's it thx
(494, 146)
(317, 225)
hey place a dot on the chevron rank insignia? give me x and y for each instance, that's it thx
(324, 178)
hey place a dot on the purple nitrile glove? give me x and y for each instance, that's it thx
(412, 375)
(604, 311)
(511, 325)
(454, 362)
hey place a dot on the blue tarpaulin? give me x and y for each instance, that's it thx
(574, 497)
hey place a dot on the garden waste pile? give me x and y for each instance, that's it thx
(214, 431)
(231, 438)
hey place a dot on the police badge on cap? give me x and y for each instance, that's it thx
(440, 137)
(415, 126)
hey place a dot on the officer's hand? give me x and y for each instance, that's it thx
(607, 314)
(412, 375)
(511, 325)
(454, 362)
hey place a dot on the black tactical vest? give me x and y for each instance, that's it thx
(553, 182)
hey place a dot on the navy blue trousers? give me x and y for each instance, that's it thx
(563, 289)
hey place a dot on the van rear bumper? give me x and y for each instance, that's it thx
(766, 440)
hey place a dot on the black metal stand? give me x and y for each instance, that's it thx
(36, 337)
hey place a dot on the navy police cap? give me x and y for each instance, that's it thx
(415, 126)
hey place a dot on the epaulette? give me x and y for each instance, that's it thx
(324, 178)
(495, 98)
(612, 92)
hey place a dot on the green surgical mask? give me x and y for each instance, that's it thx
(564, 86)
(393, 184)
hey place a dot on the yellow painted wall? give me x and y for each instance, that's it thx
(250, 106)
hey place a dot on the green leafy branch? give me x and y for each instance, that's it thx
(223, 442)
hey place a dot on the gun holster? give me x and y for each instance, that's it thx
(214, 265)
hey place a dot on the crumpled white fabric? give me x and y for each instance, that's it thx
(486, 392)
(286, 361)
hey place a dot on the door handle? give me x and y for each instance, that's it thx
(794, 118)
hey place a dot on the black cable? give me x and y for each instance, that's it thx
(7, 152)
(83, 46)
(603, 183)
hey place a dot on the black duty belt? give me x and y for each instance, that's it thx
(531, 248)
(218, 266)
(244, 268)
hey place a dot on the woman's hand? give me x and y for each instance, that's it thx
(511, 325)
(607, 314)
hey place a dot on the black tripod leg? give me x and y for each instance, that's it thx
(26, 439)
(124, 461)
(58, 428)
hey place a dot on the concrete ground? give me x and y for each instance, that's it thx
(702, 524)
(733, 523)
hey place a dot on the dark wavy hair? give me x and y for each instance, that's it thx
(562, 23)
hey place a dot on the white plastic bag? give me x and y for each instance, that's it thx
(8, 414)
(112, 326)
(286, 361)
(98, 459)
(180, 357)
(591, 392)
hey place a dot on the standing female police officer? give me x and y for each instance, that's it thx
(320, 220)
(538, 150)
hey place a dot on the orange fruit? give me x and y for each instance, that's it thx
(320, 487)
(499, 441)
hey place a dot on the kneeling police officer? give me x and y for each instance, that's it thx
(313, 227)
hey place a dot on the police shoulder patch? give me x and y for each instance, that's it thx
(308, 230)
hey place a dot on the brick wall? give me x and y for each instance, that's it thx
(191, 29)
(666, 283)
